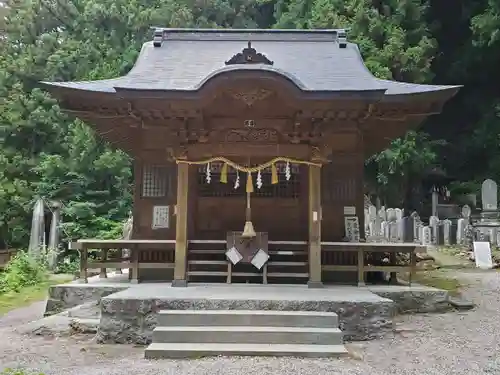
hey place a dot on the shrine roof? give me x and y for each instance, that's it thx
(315, 60)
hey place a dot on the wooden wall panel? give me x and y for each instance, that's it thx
(342, 185)
(145, 200)
(284, 218)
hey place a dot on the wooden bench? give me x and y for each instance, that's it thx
(363, 248)
(119, 262)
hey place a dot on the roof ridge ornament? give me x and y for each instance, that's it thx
(158, 35)
(249, 56)
(342, 37)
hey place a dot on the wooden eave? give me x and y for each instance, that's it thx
(393, 117)
(121, 117)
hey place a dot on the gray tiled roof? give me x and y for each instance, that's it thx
(311, 59)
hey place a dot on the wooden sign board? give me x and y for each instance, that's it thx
(248, 248)
(161, 216)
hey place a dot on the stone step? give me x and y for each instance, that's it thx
(248, 335)
(190, 350)
(259, 318)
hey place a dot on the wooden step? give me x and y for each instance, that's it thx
(207, 262)
(206, 273)
(295, 264)
(287, 274)
(207, 251)
(286, 252)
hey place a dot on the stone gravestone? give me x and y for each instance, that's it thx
(426, 235)
(468, 235)
(446, 226)
(399, 213)
(433, 224)
(417, 224)
(466, 211)
(408, 229)
(492, 236)
(482, 254)
(391, 214)
(393, 231)
(461, 224)
(489, 195)
(385, 230)
(352, 228)
(382, 213)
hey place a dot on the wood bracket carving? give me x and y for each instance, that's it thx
(320, 153)
(252, 96)
(251, 135)
(295, 135)
(249, 56)
(177, 152)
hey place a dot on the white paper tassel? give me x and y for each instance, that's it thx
(288, 173)
(237, 182)
(208, 174)
(259, 180)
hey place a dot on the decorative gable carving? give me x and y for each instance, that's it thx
(251, 96)
(249, 56)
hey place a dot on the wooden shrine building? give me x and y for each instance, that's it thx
(266, 130)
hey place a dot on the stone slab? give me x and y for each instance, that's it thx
(414, 299)
(131, 315)
(163, 351)
(261, 318)
(65, 296)
(248, 335)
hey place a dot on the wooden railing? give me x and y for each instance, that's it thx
(134, 263)
(337, 256)
(360, 251)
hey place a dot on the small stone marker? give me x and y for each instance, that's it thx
(482, 254)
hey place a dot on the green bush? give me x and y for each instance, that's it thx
(9, 371)
(22, 271)
(69, 265)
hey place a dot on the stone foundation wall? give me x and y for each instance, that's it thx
(63, 297)
(133, 320)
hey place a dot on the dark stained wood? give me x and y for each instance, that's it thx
(249, 117)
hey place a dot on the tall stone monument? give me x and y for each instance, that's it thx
(488, 223)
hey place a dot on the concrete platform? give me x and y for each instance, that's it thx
(130, 312)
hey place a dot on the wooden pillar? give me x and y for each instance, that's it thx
(314, 227)
(181, 225)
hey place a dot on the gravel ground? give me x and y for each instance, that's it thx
(453, 343)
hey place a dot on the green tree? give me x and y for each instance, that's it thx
(396, 44)
(46, 153)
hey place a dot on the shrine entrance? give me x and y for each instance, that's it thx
(278, 209)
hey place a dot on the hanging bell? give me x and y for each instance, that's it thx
(248, 231)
